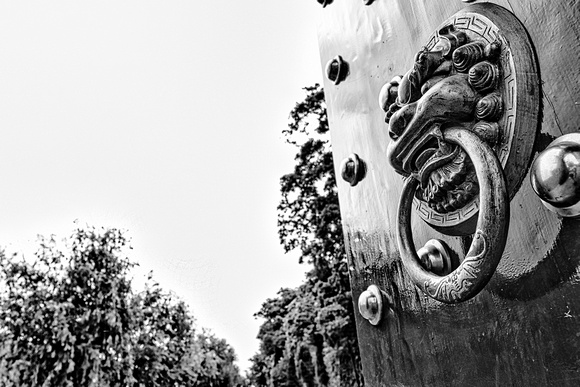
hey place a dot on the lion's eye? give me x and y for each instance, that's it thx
(397, 127)
(400, 120)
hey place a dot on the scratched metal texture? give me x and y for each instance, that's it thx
(524, 328)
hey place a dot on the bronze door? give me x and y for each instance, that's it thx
(437, 109)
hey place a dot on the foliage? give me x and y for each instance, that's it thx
(308, 337)
(71, 319)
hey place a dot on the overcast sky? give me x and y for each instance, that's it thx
(162, 118)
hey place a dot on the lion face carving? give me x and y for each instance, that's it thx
(456, 83)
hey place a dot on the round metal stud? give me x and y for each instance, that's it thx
(352, 169)
(370, 304)
(367, 2)
(555, 175)
(336, 70)
(435, 258)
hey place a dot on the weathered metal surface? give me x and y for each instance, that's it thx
(522, 329)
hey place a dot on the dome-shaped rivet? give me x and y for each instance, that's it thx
(435, 258)
(353, 169)
(555, 175)
(336, 70)
(370, 304)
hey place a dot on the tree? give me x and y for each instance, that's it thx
(309, 333)
(215, 359)
(71, 318)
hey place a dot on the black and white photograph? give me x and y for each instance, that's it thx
(289, 193)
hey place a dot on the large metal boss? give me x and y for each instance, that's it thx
(462, 123)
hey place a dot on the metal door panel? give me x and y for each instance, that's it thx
(523, 328)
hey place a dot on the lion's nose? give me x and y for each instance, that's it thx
(399, 121)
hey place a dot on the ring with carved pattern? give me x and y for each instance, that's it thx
(488, 243)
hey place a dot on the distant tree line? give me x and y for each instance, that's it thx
(308, 337)
(71, 318)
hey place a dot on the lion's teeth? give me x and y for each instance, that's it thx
(436, 178)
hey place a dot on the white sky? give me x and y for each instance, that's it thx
(162, 118)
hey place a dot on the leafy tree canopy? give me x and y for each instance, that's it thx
(70, 318)
(308, 337)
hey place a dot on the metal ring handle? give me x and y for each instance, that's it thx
(490, 236)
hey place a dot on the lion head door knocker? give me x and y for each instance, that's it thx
(462, 123)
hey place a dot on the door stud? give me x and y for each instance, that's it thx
(370, 304)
